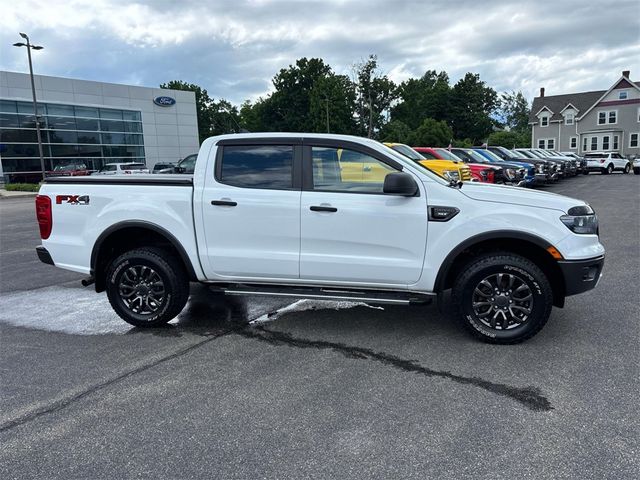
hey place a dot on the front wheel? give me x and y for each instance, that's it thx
(147, 287)
(502, 298)
(627, 167)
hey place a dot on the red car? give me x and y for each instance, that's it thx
(479, 172)
(69, 170)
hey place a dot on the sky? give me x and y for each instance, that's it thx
(233, 48)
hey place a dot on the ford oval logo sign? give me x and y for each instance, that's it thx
(164, 101)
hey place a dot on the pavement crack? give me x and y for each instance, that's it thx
(530, 397)
(65, 402)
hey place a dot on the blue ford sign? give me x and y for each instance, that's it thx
(164, 101)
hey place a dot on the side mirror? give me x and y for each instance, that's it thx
(400, 183)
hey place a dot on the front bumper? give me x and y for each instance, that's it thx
(581, 275)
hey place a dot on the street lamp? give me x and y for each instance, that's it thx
(33, 91)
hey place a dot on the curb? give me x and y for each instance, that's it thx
(6, 195)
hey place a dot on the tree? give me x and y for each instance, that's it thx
(424, 97)
(224, 118)
(472, 104)
(332, 105)
(432, 133)
(203, 102)
(396, 131)
(510, 139)
(375, 93)
(514, 109)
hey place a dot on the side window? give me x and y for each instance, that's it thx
(189, 163)
(258, 166)
(349, 171)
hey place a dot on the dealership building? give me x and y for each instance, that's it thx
(90, 123)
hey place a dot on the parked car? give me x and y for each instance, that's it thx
(271, 214)
(158, 167)
(607, 162)
(481, 168)
(69, 170)
(580, 161)
(571, 166)
(556, 167)
(450, 170)
(525, 171)
(543, 169)
(186, 165)
(122, 169)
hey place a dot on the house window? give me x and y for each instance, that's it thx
(622, 95)
(585, 142)
(568, 118)
(594, 143)
(613, 116)
(551, 144)
(615, 142)
(544, 120)
(633, 140)
(602, 118)
(605, 142)
(541, 143)
(573, 143)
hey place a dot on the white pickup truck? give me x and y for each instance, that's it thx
(321, 216)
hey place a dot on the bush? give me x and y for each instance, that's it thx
(22, 187)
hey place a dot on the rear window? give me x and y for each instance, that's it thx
(265, 166)
(594, 155)
(134, 166)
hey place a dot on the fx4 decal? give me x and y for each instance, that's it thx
(73, 199)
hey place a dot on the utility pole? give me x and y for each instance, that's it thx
(326, 100)
(33, 92)
(370, 114)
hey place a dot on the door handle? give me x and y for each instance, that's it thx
(224, 203)
(366, 168)
(321, 208)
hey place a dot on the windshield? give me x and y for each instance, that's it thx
(134, 166)
(394, 154)
(474, 156)
(447, 155)
(64, 168)
(526, 154)
(518, 154)
(492, 156)
(407, 151)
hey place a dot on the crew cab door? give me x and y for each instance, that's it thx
(350, 231)
(251, 211)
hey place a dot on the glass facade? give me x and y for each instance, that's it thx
(73, 138)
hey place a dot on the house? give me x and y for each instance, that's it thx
(603, 120)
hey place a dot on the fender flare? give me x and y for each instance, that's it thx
(148, 226)
(448, 262)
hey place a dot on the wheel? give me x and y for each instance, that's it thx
(147, 287)
(627, 167)
(502, 298)
(608, 170)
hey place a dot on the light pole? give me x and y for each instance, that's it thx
(33, 91)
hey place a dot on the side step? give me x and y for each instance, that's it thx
(327, 293)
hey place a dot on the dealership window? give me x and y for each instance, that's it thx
(602, 118)
(615, 142)
(594, 143)
(544, 120)
(605, 142)
(585, 143)
(573, 143)
(71, 135)
(613, 116)
(569, 118)
(622, 95)
(633, 140)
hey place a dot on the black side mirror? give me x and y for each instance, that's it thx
(400, 183)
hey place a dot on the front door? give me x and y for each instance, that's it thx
(350, 231)
(251, 213)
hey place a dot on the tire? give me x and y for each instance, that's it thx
(627, 167)
(507, 322)
(608, 170)
(158, 282)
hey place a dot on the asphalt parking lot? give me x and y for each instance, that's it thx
(324, 391)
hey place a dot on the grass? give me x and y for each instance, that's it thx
(22, 187)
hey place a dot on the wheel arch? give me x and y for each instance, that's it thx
(527, 245)
(130, 234)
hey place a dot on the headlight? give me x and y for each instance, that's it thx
(510, 173)
(451, 175)
(581, 220)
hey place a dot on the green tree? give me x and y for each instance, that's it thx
(432, 133)
(203, 102)
(424, 97)
(332, 105)
(375, 93)
(396, 131)
(472, 104)
(510, 139)
(514, 109)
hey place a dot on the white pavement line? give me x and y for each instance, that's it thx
(305, 304)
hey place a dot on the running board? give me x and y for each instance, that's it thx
(326, 293)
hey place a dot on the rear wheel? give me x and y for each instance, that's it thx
(502, 298)
(627, 167)
(608, 170)
(147, 287)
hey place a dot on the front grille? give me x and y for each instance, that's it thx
(465, 173)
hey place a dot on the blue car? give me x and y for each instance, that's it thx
(530, 169)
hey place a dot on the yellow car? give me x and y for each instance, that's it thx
(448, 169)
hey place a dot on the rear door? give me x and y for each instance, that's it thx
(251, 211)
(351, 232)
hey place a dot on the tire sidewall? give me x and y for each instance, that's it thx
(117, 269)
(540, 299)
